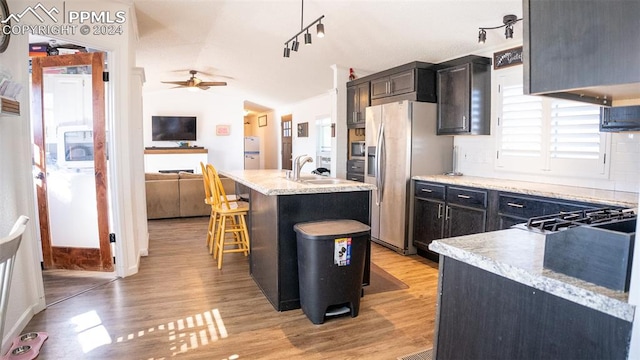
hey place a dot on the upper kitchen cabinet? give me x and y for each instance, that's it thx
(414, 81)
(622, 118)
(583, 50)
(357, 101)
(464, 96)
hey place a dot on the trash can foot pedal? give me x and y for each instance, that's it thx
(337, 311)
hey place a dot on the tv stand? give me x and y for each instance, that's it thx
(158, 159)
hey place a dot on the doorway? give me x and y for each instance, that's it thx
(69, 134)
(287, 142)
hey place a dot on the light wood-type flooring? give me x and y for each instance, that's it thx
(180, 305)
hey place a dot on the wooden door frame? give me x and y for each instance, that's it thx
(67, 257)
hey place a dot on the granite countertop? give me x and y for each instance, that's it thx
(518, 254)
(274, 182)
(589, 195)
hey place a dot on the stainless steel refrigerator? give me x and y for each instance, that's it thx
(401, 142)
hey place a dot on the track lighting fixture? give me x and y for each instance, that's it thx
(304, 31)
(507, 24)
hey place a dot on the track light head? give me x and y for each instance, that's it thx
(287, 51)
(508, 32)
(307, 38)
(320, 30)
(295, 44)
(482, 36)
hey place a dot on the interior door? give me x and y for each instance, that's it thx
(287, 142)
(70, 161)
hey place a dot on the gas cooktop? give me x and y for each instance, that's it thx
(566, 220)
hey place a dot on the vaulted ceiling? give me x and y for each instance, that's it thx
(242, 41)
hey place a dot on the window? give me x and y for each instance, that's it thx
(538, 134)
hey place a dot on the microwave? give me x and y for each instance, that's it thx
(358, 150)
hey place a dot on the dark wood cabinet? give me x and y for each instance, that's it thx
(464, 96)
(357, 101)
(395, 84)
(482, 315)
(445, 211)
(355, 170)
(624, 118)
(581, 50)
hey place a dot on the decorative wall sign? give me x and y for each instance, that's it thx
(303, 129)
(262, 120)
(506, 58)
(223, 130)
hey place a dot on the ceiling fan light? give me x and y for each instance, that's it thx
(320, 30)
(294, 44)
(287, 51)
(307, 38)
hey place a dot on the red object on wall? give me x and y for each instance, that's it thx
(352, 75)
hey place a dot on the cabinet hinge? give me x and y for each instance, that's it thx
(499, 87)
(497, 154)
(604, 158)
(498, 120)
(112, 238)
(105, 76)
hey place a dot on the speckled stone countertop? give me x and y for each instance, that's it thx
(518, 254)
(596, 196)
(274, 182)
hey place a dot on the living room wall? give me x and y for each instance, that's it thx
(211, 108)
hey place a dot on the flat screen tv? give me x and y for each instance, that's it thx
(173, 128)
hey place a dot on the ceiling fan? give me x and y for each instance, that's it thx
(194, 82)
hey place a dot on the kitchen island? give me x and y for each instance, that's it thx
(496, 301)
(276, 205)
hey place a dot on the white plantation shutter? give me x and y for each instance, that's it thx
(521, 123)
(538, 134)
(575, 130)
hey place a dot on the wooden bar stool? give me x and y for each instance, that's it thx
(208, 199)
(230, 219)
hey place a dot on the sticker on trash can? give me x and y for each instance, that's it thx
(342, 252)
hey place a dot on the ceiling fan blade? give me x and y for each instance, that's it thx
(181, 83)
(213, 83)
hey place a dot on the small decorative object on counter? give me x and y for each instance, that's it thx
(352, 74)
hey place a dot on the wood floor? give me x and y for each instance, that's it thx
(181, 305)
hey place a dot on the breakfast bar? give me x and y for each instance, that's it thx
(277, 203)
(497, 300)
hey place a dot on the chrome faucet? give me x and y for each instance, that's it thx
(298, 163)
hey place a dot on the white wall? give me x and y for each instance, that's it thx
(307, 111)
(17, 198)
(211, 108)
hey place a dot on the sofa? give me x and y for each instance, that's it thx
(173, 195)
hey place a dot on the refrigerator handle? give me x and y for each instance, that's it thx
(377, 167)
(383, 163)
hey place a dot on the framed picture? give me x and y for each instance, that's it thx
(262, 120)
(223, 130)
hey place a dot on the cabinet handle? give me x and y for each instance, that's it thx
(426, 190)
(354, 179)
(519, 206)
(447, 214)
(354, 167)
(439, 211)
(464, 196)
(355, 116)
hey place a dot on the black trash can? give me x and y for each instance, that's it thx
(331, 259)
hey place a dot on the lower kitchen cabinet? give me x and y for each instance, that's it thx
(445, 211)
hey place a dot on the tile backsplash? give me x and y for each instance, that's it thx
(476, 157)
